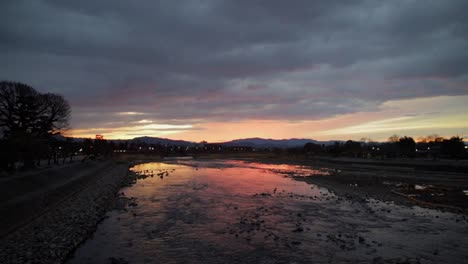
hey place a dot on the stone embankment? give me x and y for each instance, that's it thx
(55, 232)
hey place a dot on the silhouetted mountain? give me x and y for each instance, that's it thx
(246, 142)
(270, 143)
(147, 140)
(163, 141)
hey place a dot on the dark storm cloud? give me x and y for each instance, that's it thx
(222, 60)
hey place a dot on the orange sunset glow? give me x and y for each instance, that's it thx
(409, 117)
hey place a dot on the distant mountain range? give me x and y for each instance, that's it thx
(246, 142)
(269, 143)
(147, 140)
(162, 141)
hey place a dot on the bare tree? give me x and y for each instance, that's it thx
(54, 114)
(18, 106)
(24, 110)
(394, 139)
(28, 118)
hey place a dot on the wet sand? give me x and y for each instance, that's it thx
(240, 212)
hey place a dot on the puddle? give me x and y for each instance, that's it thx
(239, 212)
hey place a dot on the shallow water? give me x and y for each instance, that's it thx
(240, 212)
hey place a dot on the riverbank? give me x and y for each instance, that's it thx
(25, 195)
(64, 224)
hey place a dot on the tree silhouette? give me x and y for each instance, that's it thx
(28, 117)
(407, 146)
(23, 109)
(312, 148)
(453, 147)
(394, 139)
(353, 147)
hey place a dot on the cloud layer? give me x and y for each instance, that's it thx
(189, 62)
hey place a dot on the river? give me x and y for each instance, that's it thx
(241, 212)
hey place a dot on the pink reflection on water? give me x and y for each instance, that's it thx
(226, 203)
(241, 212)
(240, 177)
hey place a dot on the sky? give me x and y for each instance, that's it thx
(218, 70)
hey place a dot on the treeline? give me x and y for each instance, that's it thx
(395, 147)
(29, 121)
(164, 150)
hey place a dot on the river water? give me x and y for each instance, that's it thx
(241, 212)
